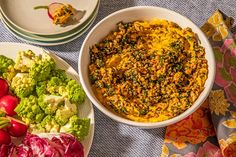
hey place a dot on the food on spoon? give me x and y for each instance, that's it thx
(58, 12)
(148, 71)
(5, 138)
(4, 87)
(8, 103)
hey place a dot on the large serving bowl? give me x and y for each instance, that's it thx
(108, 24)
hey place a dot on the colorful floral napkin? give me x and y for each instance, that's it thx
(211, 130)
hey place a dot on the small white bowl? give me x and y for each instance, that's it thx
(108, 24)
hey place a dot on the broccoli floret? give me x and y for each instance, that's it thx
(50, 124)
(65, 112)
(50, 103)
(24, 60)
(42, 67)
(36, 128)
(76, 126)
(56, 86)
(23, 85)
(61, 74)
(29, 110)
(5, 63)
(9, 73)
(41, 88)
(75, 92)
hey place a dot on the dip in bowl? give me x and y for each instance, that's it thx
(146, 66)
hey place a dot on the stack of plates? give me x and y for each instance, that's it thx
(35, 26)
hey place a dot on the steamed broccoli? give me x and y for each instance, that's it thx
(23, 85)
(56, 86)
(50, 103)
(36, 128)
(75, 92)
(5, 63)
(9, 73)
(61, 74)
(50, 124)
(65, 112)
(76, 126)
(29, 110)
(42, 67)
(41, 88)
(24, 60)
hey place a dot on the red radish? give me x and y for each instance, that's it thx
(8, 103)
(3, 87)
(53, 7)
(5, 138)
(17, 128)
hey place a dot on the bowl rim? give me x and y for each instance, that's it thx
(149, 125)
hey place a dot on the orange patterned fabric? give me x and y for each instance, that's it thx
(194, 129)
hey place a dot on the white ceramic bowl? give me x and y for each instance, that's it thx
(108, 24)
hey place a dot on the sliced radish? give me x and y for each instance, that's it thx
(3, 87)
(8, 103)
(5, 138)
(53, 7)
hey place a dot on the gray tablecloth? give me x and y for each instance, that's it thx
(111, 138)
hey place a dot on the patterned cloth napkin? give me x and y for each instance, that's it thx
(211, 130)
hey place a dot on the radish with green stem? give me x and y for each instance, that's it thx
(13, 126)
(51, 8)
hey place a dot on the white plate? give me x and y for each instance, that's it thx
(85, 110)
(52, 38)
(59, 42)
(23, 15)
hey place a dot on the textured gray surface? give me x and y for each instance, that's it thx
(111, 138)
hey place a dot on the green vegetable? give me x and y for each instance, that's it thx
(42, 67)
(75, 92)
(50, 124)
(24, 60)
(36, 128)
(41, 88)
(29, 110)
(61, 74)
(50, 103)
(56, 86)
(65, 112)
(5, 63)
(76, 126)
(49, 98)
(9, 73)
(23, 85)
